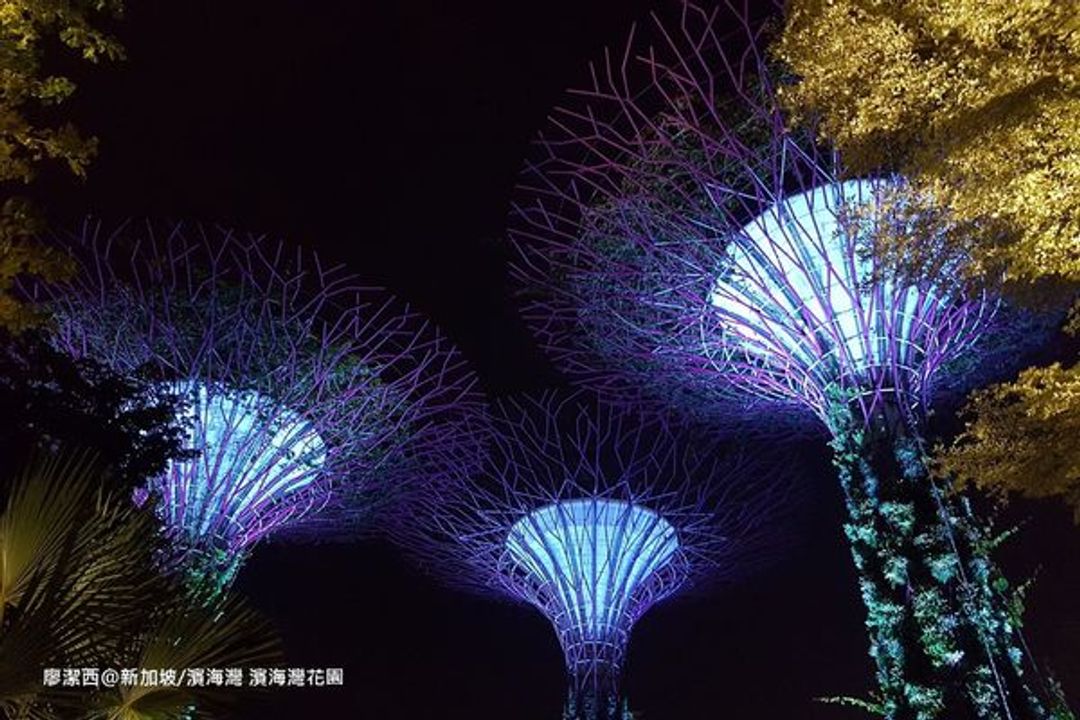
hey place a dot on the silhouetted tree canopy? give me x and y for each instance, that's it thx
(51, 400)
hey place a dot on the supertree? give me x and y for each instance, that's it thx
(679, 242)
(306, 399)
(593, 515)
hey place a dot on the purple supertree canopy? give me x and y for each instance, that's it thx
(592, 516)
(306, 398)
(798, 314)
(679, 242)
(675, 237)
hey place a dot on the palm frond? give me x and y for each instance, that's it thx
(227, 634)
(77, 579)
(44, 505)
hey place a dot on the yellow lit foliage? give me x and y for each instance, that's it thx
(20, 256)
(24, 26)
(28, 97)
(977, 102)
(1022, 437)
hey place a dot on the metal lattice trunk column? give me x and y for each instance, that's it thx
(942, 629)
(595, 693)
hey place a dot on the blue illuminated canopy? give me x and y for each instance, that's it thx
(794, 279)
(591, 556)
(797, 289)
(803, 309)
(252, 453)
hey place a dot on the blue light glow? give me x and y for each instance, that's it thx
(800, 291)
(253, 453)
(590, 556)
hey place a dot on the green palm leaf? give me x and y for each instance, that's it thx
(81, 586)
(224, 635)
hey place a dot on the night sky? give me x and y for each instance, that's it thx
(387, 135)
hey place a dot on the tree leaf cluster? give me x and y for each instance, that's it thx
(977, 104)
(32, 132)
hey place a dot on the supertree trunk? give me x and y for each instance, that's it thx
(597, 697)
(944, 626)
(590, 707)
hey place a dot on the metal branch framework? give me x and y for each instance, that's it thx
(676, 240)
(799, 313)
(593, 516)
(679, 243)
(308, 399)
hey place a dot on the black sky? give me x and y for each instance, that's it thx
(387, 135)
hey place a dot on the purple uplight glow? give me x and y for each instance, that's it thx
(680, 243)
(802, 313)
(307, 400)
(593, 516)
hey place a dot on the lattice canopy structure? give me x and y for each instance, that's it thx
(800, 311)
(592, 516)
(679, 243)
(592, 565)
(307, 400)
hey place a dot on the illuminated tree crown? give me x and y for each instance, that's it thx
(592, 517)
(801, 312)
(594, 556)
(679, 243)
(307, 399)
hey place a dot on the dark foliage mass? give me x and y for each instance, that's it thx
(51, 400)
